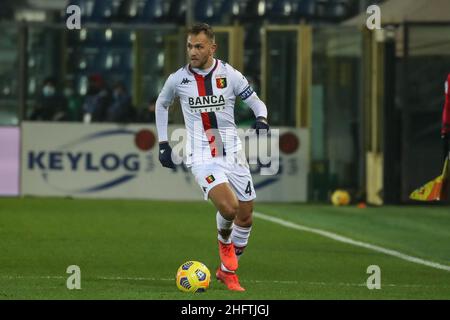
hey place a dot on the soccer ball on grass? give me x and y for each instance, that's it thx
(340, 198)
(193, 276)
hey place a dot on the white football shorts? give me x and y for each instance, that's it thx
(231, 169)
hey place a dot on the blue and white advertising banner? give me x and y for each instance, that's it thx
(121, 161)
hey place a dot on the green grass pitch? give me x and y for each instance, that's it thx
(132, 249)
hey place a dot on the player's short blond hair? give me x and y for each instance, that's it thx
(202, 27)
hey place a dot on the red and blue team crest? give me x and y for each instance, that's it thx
(221, 83)
(210, 179)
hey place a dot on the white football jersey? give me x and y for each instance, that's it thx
(207, 99)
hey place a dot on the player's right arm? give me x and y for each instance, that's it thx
(165, 99)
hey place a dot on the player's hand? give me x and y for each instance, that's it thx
(261, 125)
(445, 144)
(165, 155)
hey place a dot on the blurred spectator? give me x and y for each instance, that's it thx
(151, 110)
(74, 110)
(147, 114)
(50, 104)
(97, 101)
(121, 109)
(244, 115)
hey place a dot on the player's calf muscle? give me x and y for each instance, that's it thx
(244, 218)
(244, 221)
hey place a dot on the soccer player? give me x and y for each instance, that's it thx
(445, 130)
(207, 89)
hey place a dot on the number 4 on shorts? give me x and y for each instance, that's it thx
(248, 190)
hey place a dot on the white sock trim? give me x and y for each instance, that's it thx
(223, 268)
(240, 235)
(223, 224)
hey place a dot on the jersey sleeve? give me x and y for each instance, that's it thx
(241, 86)
(165, 99)
(168, 92)
(243, 90)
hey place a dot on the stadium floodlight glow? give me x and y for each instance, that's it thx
(261, 7)
(83, 85)
(235, 8)
(107, 13)
(6, 91)
(83, 34)
(133, 10)
(209, 11)
(31, 62)
(32, 85)
(287, 8)
(159, 11)
(109, 61)
(133, 36)
(30, 15)
(108, 34)
(82, 64)
(160, 62)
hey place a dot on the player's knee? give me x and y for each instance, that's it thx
(230, 209)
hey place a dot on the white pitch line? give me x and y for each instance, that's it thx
(173, 279)
(135, 278)
(10, 277)
(337, 237)
(310, 283)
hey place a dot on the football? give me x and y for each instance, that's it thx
(340, 198)
(193, 276)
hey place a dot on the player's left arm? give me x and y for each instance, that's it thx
(248, 95)
(260, 111)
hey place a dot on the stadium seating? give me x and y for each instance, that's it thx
(214, 11)
(152, 11)
(108, 51)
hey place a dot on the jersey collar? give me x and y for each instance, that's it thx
(195, 73)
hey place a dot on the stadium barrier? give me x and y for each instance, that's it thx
(121, 161)
(9, 161)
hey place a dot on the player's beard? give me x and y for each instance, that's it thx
(200, 63)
